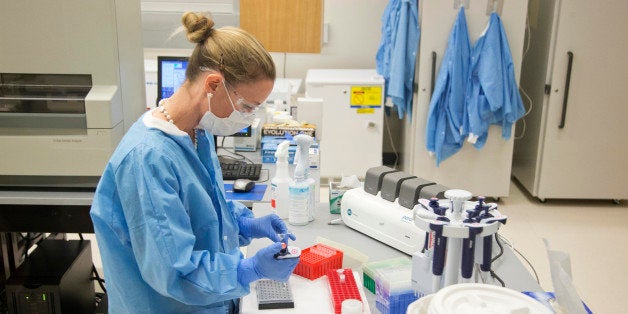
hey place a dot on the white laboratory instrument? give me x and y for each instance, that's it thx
(352, 116)
(384, 208)
(385, 221)
(250, 142)
(71, 84)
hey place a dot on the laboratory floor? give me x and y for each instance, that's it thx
(592, 232)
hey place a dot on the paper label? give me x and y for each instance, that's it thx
(366, 96)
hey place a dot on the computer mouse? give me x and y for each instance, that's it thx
(243, 185)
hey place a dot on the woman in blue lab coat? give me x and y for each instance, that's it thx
(168, 239)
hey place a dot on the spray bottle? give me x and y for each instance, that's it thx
(280, 200)
(303, 161)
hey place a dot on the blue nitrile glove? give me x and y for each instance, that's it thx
(264, 265)
(268, 226)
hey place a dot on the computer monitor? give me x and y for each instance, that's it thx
(246, 132)
(170, 75)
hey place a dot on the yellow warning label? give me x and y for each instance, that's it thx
(366, 96)
(365, 110)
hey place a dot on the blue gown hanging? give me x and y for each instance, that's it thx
(396, 55)
(446, 129)
(492, 92)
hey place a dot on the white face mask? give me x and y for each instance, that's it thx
(235, 122)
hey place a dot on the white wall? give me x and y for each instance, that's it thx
(354, 35)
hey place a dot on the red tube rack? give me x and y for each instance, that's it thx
(342, 288)
(317, 260)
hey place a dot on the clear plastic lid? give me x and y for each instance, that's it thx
(474, 298)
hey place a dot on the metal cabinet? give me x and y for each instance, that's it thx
(575, 72)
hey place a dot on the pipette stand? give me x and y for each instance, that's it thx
(458, 223)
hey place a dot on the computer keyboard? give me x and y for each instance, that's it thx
(240, 170)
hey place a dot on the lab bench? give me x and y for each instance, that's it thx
(508, 266)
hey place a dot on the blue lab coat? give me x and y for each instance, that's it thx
(168, 239)
(446, 127)
(396, 55)
(493, 94)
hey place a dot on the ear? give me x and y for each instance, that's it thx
(211, 82)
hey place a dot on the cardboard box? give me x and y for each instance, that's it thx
(335, 196)
(274, 129)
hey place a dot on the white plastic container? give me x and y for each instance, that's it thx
(312, 201)
(279, 184)
(299, 191)
(471, 298)
(302, 171)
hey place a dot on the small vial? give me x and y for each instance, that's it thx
(341, 274)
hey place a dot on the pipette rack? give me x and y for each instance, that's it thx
(461, 224)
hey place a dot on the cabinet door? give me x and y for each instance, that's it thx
(585, 152)
(483, 172)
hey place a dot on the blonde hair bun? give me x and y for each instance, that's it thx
(199, 26)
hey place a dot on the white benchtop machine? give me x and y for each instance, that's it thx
(71, 84)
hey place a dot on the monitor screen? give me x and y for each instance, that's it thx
(170, 75)
(244, 132)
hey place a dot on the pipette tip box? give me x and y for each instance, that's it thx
(342, 286)
(394, 289)
(317, 260)
(369, 269)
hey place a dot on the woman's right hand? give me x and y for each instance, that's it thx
(264, 265)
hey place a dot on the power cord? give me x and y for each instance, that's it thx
(536, 275)
(392, 143)
(29, 240)
(267, 171)
(494, 275)
(100, 280)
(525, 52)
(501, 252)
(240, 159)
(501, 248)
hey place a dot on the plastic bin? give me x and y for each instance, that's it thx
(316, 260)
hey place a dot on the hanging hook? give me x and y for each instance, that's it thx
(461, 3)
(494, 6)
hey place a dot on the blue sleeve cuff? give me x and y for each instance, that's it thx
(247, 272)
(240, 213)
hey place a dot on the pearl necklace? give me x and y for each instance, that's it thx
(162, 109)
